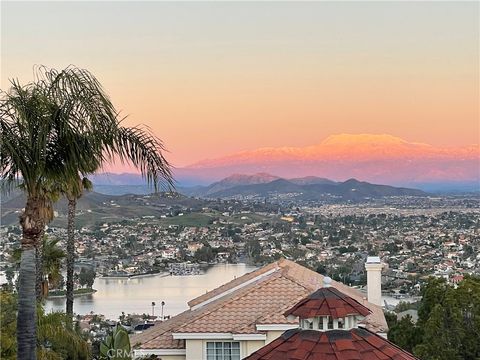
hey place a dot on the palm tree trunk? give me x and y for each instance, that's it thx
(33, 223)
(39, 265)
(72, 203)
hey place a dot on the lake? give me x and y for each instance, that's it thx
(115, 295)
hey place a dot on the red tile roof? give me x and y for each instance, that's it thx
(354, 344)
(327, 301)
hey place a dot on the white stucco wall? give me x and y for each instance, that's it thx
(250, 346)
(272, 335)
(196, 349)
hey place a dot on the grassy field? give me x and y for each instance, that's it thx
(97, 209)
(193, 219)
(76, 292)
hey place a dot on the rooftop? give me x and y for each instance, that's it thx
(328, 301)
(238, 307)
(354, 344)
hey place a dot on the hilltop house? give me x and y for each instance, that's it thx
(328, 329)
(242, 316)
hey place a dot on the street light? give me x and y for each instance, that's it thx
(163, 304)
(153, 308)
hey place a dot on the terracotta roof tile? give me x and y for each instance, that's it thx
(240, 309)
(232, 284)
(328, 301)
(243, 310)
(354, 344)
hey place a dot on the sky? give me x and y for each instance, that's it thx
(213, 78)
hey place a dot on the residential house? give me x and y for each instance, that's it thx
(327, 329)
(243, 315)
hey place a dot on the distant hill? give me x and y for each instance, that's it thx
(310, 180)
(309, 188)
(230, 182)
(117, 179)
(93, 207)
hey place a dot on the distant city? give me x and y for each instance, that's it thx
(331, 227)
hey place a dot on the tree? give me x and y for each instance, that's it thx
(253, 249)
(52, 261)
(205, 253)
(433, 292)
(80, 97)
(55, 340)
(72, 194)
(468, 303)
(56, 129)
(321, 269)
(87, 277)
(8, 343)
(33, 156)
(404, 333)
(437, 343)
(449, 322)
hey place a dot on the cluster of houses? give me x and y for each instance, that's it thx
(414, 239)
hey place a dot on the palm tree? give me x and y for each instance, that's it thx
(57, 340)
(55, 129)
(134, 145)
(54, 339)
(52, 262)
(72, 195)
(32, 155)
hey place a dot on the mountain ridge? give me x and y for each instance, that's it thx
(338, 145)
(310, 188)
(372, 157)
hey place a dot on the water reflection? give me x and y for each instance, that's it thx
(136, 295)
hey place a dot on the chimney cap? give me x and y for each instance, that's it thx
(373, 260)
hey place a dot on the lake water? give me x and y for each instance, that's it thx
(115, 295)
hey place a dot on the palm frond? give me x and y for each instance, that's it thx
(82, 102)
(55, 334)
(144, 151)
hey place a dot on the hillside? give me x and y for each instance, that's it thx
(94, 207)
(310, 188)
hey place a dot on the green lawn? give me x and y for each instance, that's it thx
(193, 219)
(75, 292)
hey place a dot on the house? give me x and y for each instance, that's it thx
(243, 315)
(169, 253)
(328, 329)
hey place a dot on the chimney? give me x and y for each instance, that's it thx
(374, 280)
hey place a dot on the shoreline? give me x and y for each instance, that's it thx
(90, 292)
(135, 296)
(134, 276)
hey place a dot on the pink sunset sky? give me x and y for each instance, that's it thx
(212, 79)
